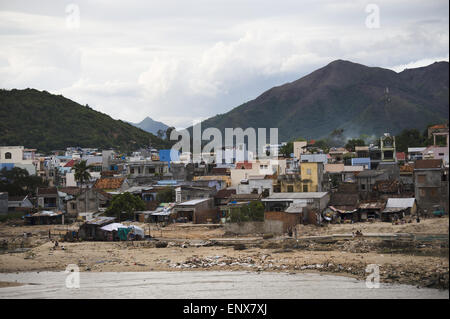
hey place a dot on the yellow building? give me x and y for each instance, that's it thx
(312, 176)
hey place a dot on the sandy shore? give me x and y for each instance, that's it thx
(424, 265)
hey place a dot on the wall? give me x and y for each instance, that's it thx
(289, 220)
(3, 203)
(246, 228)
(430, 190)
(202, 216)
(259, 184)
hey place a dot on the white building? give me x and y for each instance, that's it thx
(18, 156)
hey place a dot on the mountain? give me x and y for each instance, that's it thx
(351, 96)
(151, 126)
(48, 122)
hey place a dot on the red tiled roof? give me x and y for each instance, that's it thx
(438, 126)
(401, 156)
(74, 191)
(109, 183)
(225, 193)
(47, 191)
(243, 165)
(70, 163)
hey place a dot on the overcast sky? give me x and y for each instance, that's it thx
(179, 61)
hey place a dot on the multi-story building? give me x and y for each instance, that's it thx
(431, 185)
(18, 156)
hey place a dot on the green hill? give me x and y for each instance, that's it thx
(357, 98)
(49, 122)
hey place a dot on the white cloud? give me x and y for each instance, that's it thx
(177, 61)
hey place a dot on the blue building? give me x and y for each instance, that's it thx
(361, 161)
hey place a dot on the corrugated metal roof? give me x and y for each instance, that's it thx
(292, 196)
(400, 202)
(416, 149)
(193, 202)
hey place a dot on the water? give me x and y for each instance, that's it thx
(204, 284)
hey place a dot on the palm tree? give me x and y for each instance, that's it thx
(83, 176)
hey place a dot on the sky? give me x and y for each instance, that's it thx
(187, 60)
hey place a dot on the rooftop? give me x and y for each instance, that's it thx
(400, 202)
(428, 164)
(194, 202)
(109, 182)
(292, 196)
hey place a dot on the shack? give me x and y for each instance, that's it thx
(398, 208)
(370, 210)
(198, 211)
(45, 218)
(91, 230)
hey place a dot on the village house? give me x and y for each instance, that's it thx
(18, 156)
(415, 153)
(398, 208)
(91, 229)
(314, 179)
(90, 200)
(112, 184)
(367, 179)
(281, 201)
(48, 199)
(45, 217)
(19, 203)
(299, 148)
(370, 210)
(344, 202)
(257, 184)
(337, 154)
(362, 152)
(431, 185)
(198, 211)
(185, 193)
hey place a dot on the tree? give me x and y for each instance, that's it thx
(82, 174)
(160, 133)
(410, 138)
(323, 145)
(168, 132)
(251, 212)
(287, 150)
(165, 195)
(351, 143)
(124, 205)
(17, 182)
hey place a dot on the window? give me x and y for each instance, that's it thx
(290, 189)
(8, 155)
(308, 171)
(305, 188)
(131, 170)
(363, 187)
(74, 206)
(433, 192)
(422, 192)
(421, 178)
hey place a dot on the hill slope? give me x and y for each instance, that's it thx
(347, 95)
(47, 122)
(150, 125)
